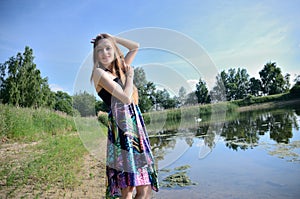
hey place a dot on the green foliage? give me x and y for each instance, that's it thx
(249, 100)
(63, 102)
(103, 118)
(188, 113)
(162, 99)
(54, 161)
(272, 80)
(235, 84)
(202, 92)
(85, 103)
(48, 152)
(218, 93)
(32, 124)
(295, 90)
(146, 90)
(101, 106)
(254, 86)
(57, 165)
(22, 84)
(182, 96)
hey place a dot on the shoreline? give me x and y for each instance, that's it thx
(268, 105)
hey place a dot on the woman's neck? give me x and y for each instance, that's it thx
(106, 68)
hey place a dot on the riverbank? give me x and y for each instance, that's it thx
(42, 156)
(205, 110)
(88, 180)
(268, 105)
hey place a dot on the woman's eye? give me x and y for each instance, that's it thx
(108, 48)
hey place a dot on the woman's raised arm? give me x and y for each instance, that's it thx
(132, 46)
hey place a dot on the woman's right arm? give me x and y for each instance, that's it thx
(132, 46)
(101, 78)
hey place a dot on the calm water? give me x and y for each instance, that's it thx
(248, 155)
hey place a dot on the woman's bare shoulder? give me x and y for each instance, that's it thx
(102, 78)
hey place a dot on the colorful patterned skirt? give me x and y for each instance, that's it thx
(129, 158)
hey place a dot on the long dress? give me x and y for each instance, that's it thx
(129, 160)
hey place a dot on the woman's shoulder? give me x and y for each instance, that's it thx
(99, 73)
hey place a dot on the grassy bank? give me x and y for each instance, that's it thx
(219, 110)
(189, 112)
(28, 124)
(40, 150)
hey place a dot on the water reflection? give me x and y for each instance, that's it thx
(257, 150)
(241, 132)
(248, 129)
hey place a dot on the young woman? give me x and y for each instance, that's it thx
(129, 163)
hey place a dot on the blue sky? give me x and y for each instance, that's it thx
(245, 34)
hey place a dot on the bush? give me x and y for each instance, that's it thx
(103, 118)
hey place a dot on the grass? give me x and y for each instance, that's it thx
(43, 149)
(185, 114)
(28, 124)
(251, 100)
(53, 162)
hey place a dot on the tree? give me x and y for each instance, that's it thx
(101, 106)
(241, 80)
(63, 102)
(272, 80)
(146, 90)
(22, 84)
(233, 84)
(287, 85)
(202, 92)
(85, 103)
(219, 93)
(295, 90)
(163, 99)
(181, 99)
(191, 99)
(236, 83)
(254, 86)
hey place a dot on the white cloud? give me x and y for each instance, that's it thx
(55, 88)
(192, 83)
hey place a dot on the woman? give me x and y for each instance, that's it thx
(130, 162)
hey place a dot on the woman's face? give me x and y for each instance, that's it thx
(105, 52)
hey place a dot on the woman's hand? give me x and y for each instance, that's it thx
(128, 70)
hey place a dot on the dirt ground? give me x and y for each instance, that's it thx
(92, 177)
(92, 182)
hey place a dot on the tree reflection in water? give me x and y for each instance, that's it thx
(240, 131)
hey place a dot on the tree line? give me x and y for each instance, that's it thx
(21, 85)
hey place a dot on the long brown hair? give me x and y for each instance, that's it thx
(117, 67)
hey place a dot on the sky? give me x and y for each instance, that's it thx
(231, 34)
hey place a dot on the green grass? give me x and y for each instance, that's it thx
(250, 100)
(54, 162)
(46, 149)
(28, 124)
(185, 114)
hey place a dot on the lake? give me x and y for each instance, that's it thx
(254, 154)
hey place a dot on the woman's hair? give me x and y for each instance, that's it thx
(117, 67)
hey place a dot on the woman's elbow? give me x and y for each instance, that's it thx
(137, 45)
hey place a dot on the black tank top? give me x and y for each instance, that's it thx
(105, 95)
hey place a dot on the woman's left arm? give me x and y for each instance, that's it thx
(132, 46)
